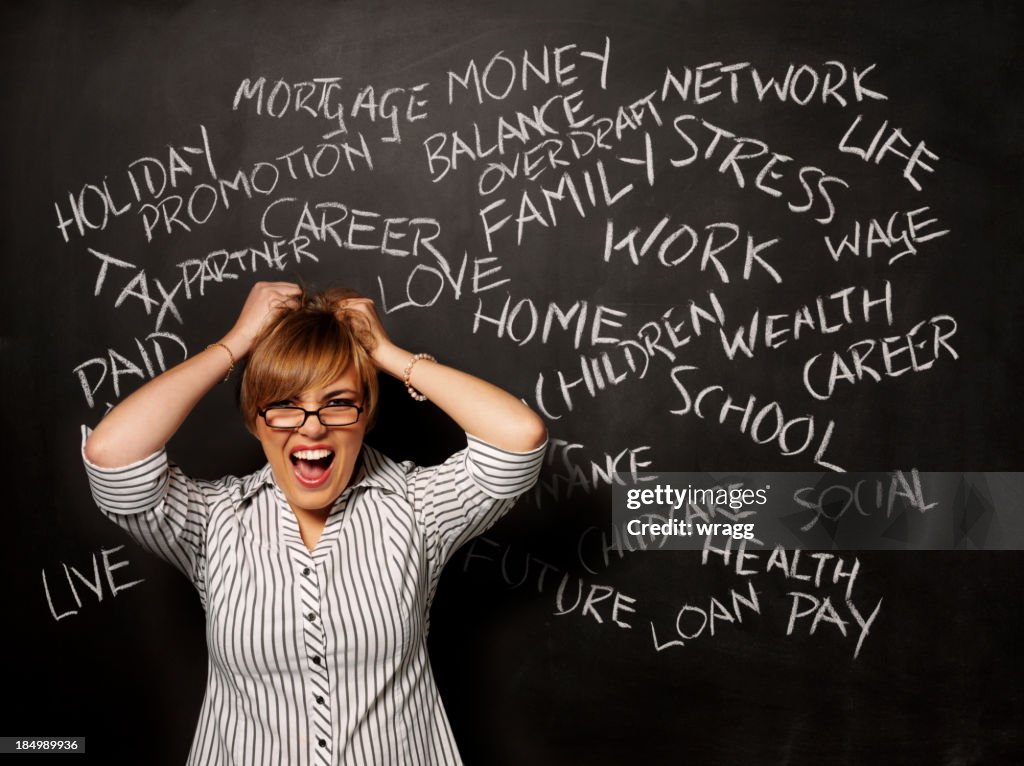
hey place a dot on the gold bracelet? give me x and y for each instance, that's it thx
(408, 371)
(231, 356)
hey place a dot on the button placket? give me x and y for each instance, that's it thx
(310, 623)
(315, 642)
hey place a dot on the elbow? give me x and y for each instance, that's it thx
(102, 453)
(534, 433)
(96, 453)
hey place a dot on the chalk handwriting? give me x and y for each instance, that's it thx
(835, 501)
(888, 236)
(676, 243)
(549, 143)
(766, 424)
(878, 358)
(60, 597)
(830, 82)
(883, 144)
(321, 97)
(750, 160)
(95, 206)
(568, 472)
(502, 74)
(164, 350)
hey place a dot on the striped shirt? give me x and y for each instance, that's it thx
(317, 657)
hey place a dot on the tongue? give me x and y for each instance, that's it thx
(311, 470)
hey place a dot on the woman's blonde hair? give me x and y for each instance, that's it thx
(310, 343)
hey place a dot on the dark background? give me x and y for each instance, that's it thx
(90, 87)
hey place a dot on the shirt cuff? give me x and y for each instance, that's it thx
(502, 473)
(127, 489)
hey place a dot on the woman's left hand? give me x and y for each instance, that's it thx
(480, 408)
(369, 329)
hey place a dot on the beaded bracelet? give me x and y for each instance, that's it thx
(231, 356)
(408, 371)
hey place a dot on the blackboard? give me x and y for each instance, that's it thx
(603, 207)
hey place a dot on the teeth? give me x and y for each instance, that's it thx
(312, 454)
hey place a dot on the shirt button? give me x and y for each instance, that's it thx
(319, 699)
(316, 660)
(311, 616)
(306, 571)
(322, 742)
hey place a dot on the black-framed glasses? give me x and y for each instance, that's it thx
(331, 415)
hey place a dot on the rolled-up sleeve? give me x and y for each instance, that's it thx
(163, 510)
(466, 494)
(500, 473)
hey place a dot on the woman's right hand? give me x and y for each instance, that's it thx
(145, 420)
(265, 299)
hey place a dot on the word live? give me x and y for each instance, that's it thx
(93, 582)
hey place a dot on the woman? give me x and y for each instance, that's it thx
(317, 572)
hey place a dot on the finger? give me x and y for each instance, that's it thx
(282, 300)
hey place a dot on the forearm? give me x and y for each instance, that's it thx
(146, 420)
(480, 408)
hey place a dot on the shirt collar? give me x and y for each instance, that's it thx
(373, 470)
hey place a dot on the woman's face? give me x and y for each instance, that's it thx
(313, 464)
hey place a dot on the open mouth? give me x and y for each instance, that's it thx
(312, 466)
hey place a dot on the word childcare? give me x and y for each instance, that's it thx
(93, 583)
